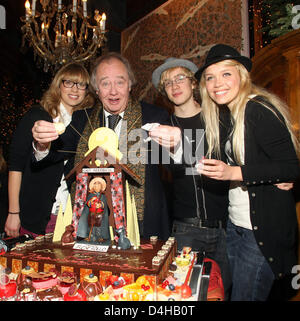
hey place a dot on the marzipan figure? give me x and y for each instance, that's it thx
(93, 223)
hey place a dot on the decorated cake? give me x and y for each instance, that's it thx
(95, 252)
(45, 257)
(51, 272)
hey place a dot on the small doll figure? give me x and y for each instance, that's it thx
(123, 241)
(93, 224)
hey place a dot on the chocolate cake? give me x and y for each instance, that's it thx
(130, 264)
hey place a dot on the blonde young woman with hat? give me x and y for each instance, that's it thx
(262, 227)
(199, 204)
(35, 192)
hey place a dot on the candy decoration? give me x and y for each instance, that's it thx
(165, 284)
(4, 279)
(75, 294)
(186, 291)
(135, 297)
(145, 287)
(8, 290)
(171, 287)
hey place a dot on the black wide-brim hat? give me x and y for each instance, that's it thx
(222, 52)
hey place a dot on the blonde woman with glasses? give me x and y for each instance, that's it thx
(37, 191)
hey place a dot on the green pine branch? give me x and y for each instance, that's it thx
(280, 16)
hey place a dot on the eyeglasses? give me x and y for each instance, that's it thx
(179, 79)
(79, 85)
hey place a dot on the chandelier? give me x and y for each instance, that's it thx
(61, 32)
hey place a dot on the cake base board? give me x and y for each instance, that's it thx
(129, 263)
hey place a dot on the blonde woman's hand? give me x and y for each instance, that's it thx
(218, 170)
(285, 186)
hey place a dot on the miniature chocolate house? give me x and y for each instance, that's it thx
(101, 163)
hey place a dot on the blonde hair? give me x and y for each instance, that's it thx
(238, 106)
(166, 73)
(52, 97)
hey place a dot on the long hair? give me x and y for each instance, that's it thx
(52, 97)
(238, 106)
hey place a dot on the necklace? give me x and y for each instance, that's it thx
(198, 211)
(186, 137)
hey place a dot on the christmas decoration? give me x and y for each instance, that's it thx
(278, 16)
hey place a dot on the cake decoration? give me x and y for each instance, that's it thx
(102, 161)
(49, 294)
(93, 223)
(67, 237)
(141, 290)
(27, 270)
(40, 239)
(63, 220)
(30, 243)
(156, 260)
(91, 286)
(74, 294)
(168, 292)
(8, 286)
(132, 222)
(65, 281)
(106, 295)
(108, 260)
(49, 237)
(43, 280)
(25, 290)
(186, 291)
(108, 140)
(114, 276)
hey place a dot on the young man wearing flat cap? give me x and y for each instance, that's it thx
(200, 205)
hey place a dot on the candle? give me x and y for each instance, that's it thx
(103, 21)
(33, 8)
(84, 2)
(74, 5)
(59, 4)
(94, 34)
(111, 232)
(69, 35)
(43, 29)
(27, 7)
(56, 40)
